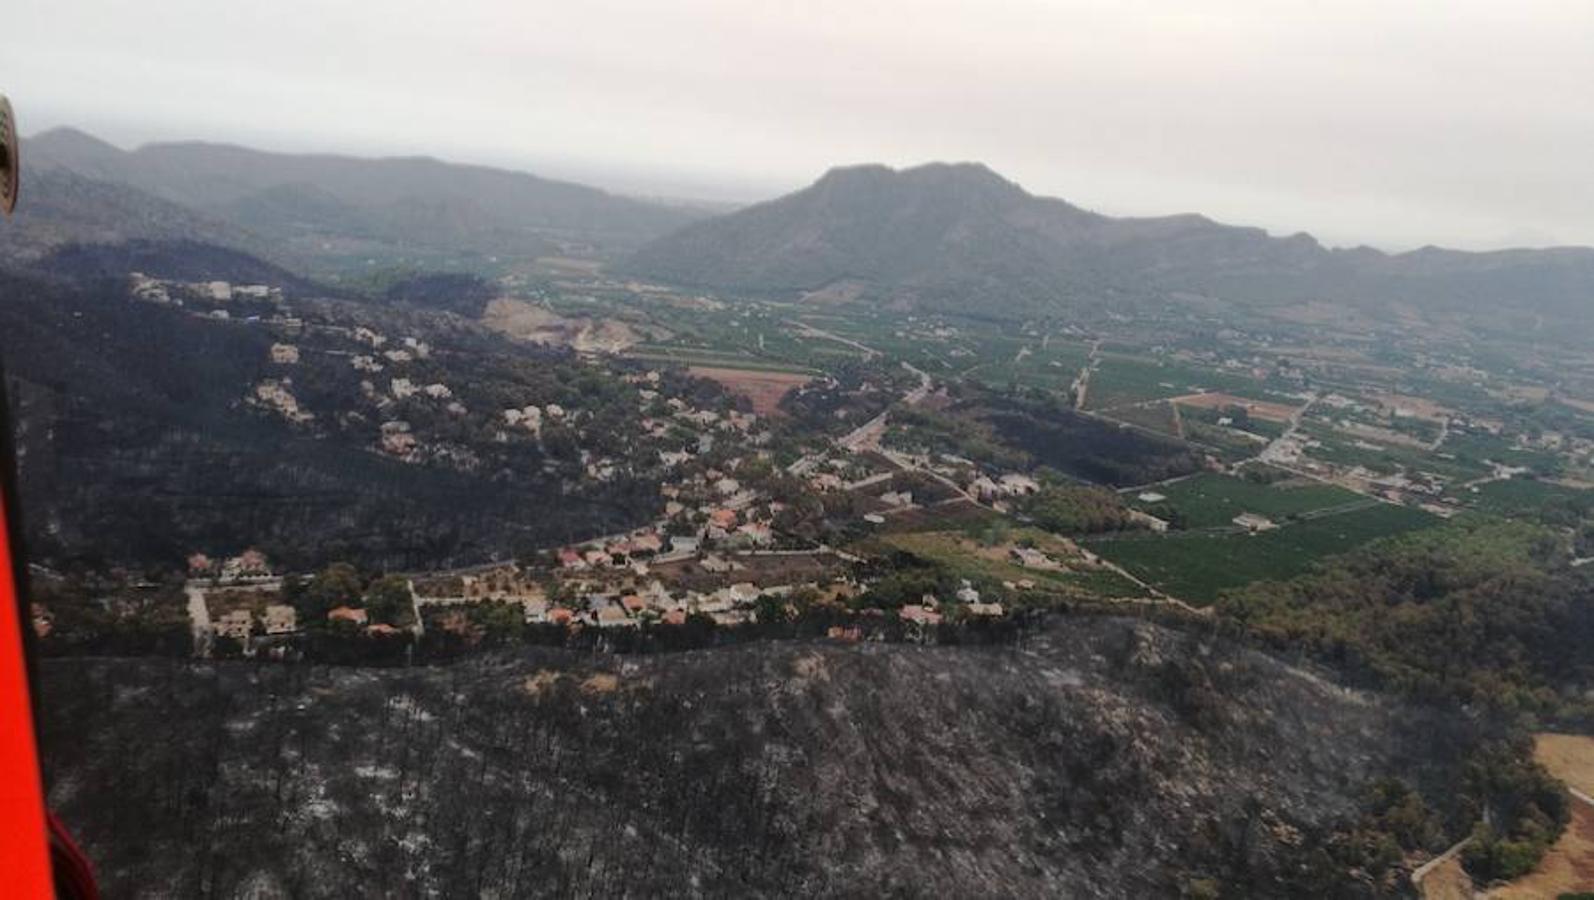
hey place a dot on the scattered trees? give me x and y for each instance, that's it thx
(336, 585)
(388, 600)
(1077, 509)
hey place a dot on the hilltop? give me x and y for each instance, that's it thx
(959, 237)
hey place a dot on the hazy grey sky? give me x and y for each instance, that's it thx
(1397, 123)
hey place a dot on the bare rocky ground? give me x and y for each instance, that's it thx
(1100, 757)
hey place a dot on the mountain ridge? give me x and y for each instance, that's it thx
(939, 235)
(316, 205)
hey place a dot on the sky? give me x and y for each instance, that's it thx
(1397, 124)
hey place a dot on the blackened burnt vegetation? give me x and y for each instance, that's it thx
(138, 441)
(456, 292)
(181, 260)
(1104, 757)
(1084, 447)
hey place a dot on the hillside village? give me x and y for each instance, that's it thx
(757, 514)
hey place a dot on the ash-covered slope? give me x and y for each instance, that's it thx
(1102, 758)
(140, 436)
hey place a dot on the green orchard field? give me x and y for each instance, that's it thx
(1197, 567)
(1210, 500)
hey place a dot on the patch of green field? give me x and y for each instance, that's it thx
(1210, 500)
(971, 560)
(988, 352)
(686, 356)
(1230, 445)
(1476, 447)
(1052, 367)
(940, 517)
(1121, 380)
(740, 332)
(834, 351)
(1261, 427)
(1210, 417)
(1197, 567)
(1341, 449)
(1156, 417)
(1104, 583)
(1516, 496)
(890, 337)
(1463, 395)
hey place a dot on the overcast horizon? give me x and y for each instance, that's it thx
(1455, 124)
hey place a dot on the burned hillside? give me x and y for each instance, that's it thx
(1100, 757)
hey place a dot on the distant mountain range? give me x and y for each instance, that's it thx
(313, 208)
(951, 237)
(58, 207)
(959, 237)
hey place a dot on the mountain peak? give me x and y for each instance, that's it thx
(968, 171)
(939, 233)
(66, 135)
(964, 175)
(856, 172)
(73, 149)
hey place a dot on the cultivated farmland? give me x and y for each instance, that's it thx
(1198, 566)
(1209, 500)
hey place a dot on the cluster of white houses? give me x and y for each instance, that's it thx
(637, 601)
(607, 602)
(164, 291)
